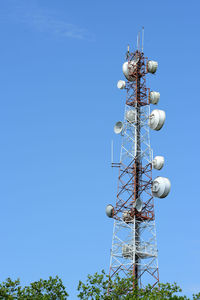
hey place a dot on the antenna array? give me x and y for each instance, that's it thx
(134, 246)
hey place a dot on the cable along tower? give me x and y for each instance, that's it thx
(134, 248)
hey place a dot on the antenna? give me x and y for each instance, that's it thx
(138, 41)
(127, 53)
(111, 152)
(142, 39)
(113, 164)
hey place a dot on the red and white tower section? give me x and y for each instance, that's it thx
(134, 248)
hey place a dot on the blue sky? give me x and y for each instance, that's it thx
(60, 62)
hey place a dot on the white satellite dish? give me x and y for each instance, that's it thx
(152, 66)
(128, 69)
(157, 119)
(118, 127)
(154, 97)
(131, 116)
(158, 162)
(139, 205)
(161, 187)
(109, 210)
(121, 84)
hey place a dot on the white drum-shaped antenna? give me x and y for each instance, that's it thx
(154, 97)
(109, 210)
(138, 205)
(131, 116)
(158, 162)
(157, 119)
(126, 216)
(127, 251)
(161, 187)
(118, 127)
(121, 84)
(152, 66)
(128, 68)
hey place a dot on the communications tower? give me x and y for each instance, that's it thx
(134, 248)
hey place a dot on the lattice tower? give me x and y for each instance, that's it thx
(134, 248)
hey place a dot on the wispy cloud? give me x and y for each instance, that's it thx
(45, 21)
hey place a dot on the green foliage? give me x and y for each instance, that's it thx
(51, 289)
(95, 288)
(98, 285)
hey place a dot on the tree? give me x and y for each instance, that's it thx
(98, 285)
(95, 288)
(51, 289)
